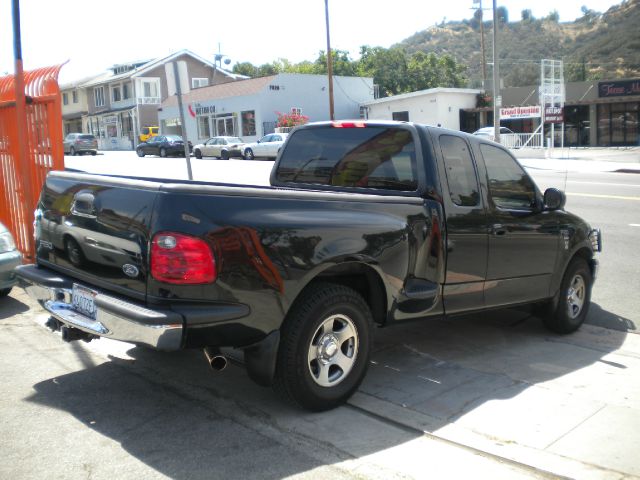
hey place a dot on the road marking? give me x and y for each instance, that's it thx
(593, 195)
(605, 183)
(634, 224)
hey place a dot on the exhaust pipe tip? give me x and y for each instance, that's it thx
(216, 361)
(52, 324)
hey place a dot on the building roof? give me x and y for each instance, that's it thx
(108, 76)
(421, 93)
(240, 88)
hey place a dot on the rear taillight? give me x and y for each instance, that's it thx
(181, 259)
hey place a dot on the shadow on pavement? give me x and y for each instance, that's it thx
(602, 318)
(10, 307)
(171, 412)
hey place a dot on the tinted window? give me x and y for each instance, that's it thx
(509, 185)
(87, 137)
(461, 174)
(373, 157)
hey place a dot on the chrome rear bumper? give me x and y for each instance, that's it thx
(115, 318)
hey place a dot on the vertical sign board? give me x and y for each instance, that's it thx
(553, 114)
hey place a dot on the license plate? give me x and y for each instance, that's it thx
(83, 301)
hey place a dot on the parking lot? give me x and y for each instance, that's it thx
(490, 396)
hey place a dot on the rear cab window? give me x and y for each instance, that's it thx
(374, 157)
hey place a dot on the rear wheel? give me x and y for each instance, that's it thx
(163, 152)
(72, 151)
(224, 155)
(325, 348)
(248, 154)
(93, 153)
(140, 152)
(198, 153)
(572, 306)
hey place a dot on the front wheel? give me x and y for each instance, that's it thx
(248, 154)
(568, 313)
(325, 348)
(198, 153)
(163, 152)
(140, 152)
(72, 152)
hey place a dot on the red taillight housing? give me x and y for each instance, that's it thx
(182, 259)
(348, 124)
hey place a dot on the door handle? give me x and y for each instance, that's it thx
(498, 229)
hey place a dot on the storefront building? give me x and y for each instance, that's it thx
(599, 113)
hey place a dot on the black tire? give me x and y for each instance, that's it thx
(198, 153)
(74, 252)
(163, 152)
(568, 311)
(140, 152)
(72, 152)
(224, 155)
(4, 292)
(94, 153)
(334, 323)
(248, 154)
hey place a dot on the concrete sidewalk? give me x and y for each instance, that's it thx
(612, 159)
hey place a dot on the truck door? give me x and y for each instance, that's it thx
(466, 220)
(523, 239)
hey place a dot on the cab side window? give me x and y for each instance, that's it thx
(509, 186)
(460, 171)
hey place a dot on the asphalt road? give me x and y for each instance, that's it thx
(487, 396)
(611, 202)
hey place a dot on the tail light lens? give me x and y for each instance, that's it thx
(182, 259)
(348, 124)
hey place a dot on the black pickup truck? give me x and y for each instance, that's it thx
(365, 223)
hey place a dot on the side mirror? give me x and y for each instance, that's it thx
(554, 199)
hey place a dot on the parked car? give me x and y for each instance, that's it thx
(267, 147)
(10, 258)
(163, 145)
(222, 147)
(363, 224)
(508, 137)
(80, 143)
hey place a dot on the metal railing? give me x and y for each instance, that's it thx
(521, 140)
(22, 178)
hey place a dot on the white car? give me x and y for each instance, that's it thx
(268, 146)
(222, 147)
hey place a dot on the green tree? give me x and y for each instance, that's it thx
(388, 67)
(527, 15)
(503, 15)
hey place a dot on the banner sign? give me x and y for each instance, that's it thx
(622, 88)
(553, 115)
(512, 113)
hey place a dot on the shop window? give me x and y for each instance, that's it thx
(248, 123)
(203, 127)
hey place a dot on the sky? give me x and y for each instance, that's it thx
(93, 35)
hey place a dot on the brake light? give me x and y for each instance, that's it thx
(182, 259)
(348, 125)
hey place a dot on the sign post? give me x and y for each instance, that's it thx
(177, 80)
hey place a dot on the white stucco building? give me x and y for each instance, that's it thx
(433, 106)
(248, 108)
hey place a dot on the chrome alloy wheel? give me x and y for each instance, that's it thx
(576, 296)
(333, 350)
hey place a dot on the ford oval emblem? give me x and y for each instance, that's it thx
(130, 270)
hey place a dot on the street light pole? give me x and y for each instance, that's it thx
(329, 62)
(497, 99)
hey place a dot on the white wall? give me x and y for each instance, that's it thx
(433, 108)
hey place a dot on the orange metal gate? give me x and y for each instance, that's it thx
(21, 179)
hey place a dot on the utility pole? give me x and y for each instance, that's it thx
(187, 155)
(329, 62)
(484, 59)
(497, 98)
